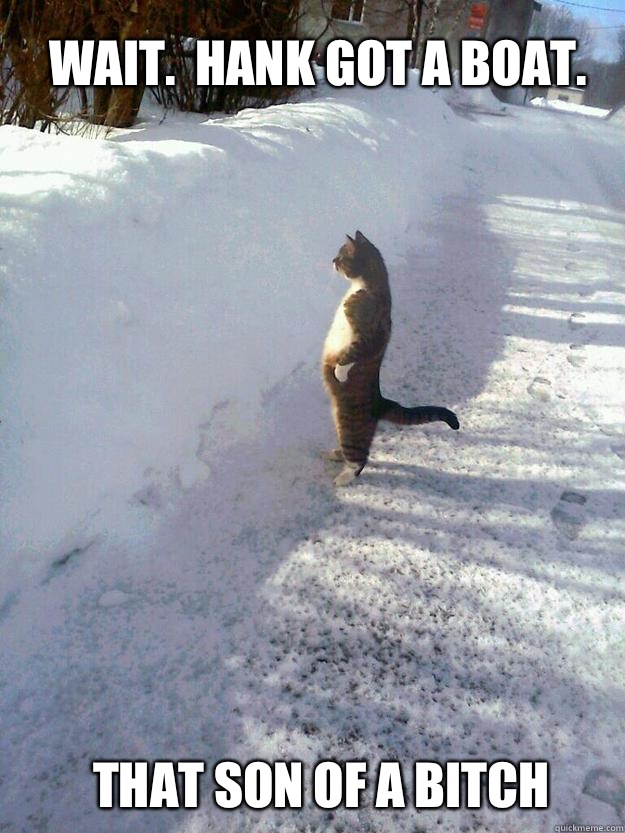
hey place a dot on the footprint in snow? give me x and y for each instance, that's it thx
(606, 786)
(149, 495)
(540, 388)
(568, 514)
(619, 450)
(576, 320)
(113, 598)
(576, 356)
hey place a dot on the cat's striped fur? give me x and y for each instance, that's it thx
(352, 356)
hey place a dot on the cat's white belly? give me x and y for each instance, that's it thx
(341, 334)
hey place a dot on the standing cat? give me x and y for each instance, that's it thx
(352, 356)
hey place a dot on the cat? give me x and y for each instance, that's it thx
(352, 356)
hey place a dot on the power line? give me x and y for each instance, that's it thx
(592, 8)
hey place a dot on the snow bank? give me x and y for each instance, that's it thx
(617, 116)
(157, 283)
(481, 99)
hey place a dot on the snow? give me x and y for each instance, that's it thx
(617, 116)
(474, 99)
(570, 107)
(180, 578)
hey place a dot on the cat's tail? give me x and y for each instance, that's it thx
(394, 412)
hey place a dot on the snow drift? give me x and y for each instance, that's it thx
(164, 279)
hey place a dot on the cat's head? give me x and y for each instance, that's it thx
(353, 255)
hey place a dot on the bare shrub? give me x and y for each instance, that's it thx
(28, 98)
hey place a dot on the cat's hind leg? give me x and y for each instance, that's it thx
(355, 430)
(334, 456)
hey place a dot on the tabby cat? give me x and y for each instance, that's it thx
(352, 356)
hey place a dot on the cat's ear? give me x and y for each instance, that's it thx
(351, 239)
(360, 238)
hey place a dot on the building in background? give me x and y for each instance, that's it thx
(451, 20)
(325, 20)
(456, 20)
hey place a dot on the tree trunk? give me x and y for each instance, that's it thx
(124, 102)
(101, 99)
(124, 105)
(32, 74)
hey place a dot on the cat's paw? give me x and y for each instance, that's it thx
(345, 477)
(334, 456)
(341, 371)
(349, 472)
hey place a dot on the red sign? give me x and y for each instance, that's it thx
(477, 16)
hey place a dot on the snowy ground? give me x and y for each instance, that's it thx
(180, 578)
